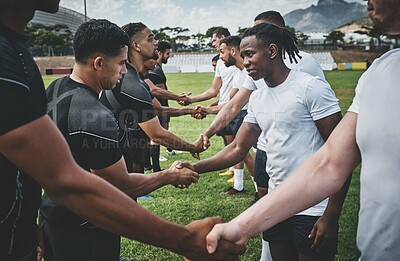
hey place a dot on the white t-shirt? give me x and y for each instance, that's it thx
(306, 64)
(378, 138)
(238, 81)
(286, 115)
(226, 74)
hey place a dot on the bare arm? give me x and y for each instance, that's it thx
(169, 111)
(158, 90)
(325, 230)
(136, 185)
(320, 176)
(228, 112)
(210, 93)
(40, 156)
(162, 136)
(234, 152)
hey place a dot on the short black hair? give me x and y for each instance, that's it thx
(163, 46)
(272, 17)
(215, 58)
(98, 36)
(221, 31)
(132, 29)
(232, 41)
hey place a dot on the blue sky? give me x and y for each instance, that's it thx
(197, 15)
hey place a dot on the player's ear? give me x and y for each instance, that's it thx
(98, 63)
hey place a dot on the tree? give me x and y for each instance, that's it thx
(334, 38)
(371, 32)
(199, 42)
(241, 30)
(174, 35)
(49, 40)
(211, 30)
(301, 38)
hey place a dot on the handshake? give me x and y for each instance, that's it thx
(200, 112)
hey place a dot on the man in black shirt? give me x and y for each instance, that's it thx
(131, 101)
(91, 132)
(31, 146)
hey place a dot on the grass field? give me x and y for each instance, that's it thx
(203, 199)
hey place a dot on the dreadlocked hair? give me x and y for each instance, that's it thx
(283, 38)
(133, 29)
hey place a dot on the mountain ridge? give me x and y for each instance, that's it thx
(324, 17)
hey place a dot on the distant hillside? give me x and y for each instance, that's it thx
(325, 16)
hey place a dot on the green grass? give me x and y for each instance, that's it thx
(203, 199)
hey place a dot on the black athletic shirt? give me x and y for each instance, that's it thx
(22, 100)
(157, 76)
(90, 130)
(130, 101)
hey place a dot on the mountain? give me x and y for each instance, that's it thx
(325, 16)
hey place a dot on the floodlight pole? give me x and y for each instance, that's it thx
(84, 2)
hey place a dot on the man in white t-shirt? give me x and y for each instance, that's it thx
(369, 132)
(230, 55)
(222, 85)
(294, 114)
(306, 64)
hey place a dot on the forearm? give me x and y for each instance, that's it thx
(335, 203)
(315, 180)
(161, 93)
(204, 96)
(173, 112)
(223, 118)
(227, 157)
(214, 109)
(170, 140)
(125, 218)
(138, 184)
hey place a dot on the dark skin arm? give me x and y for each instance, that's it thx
(227, 113)
(159, 90)
(70, 186)
(231, 154)
(137, 184)
(158, 134)
(175, 112)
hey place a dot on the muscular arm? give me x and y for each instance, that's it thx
(210, 93)
(228, 112)
(169, 111)
(136, 185)
(320, 176)
(234, 152)
(158, 134)
(160, 91)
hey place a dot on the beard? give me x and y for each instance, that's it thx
(231, 61)
(155, 55)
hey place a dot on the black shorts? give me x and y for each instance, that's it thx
(225, 131)
(138, 142)
(261, 176)
(237, 122)
(77, 243)
(296, 230)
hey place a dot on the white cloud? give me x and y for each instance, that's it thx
(198, 16)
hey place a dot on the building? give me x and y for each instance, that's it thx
(64, 15)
